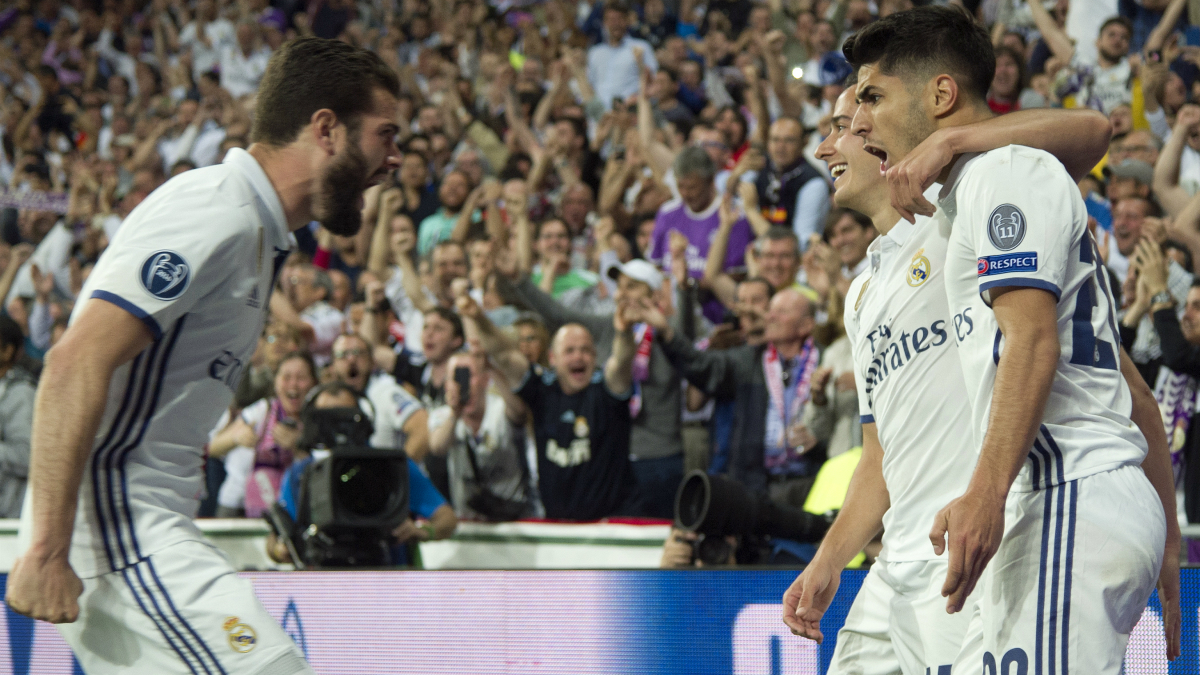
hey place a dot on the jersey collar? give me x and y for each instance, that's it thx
(249, 167)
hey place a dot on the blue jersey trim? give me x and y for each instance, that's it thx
(866, 419)
(133, 309)
(1025, 282)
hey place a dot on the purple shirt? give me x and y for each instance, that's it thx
(699, 228)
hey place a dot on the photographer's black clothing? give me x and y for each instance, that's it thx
(584, 471)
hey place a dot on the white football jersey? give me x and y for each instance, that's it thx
(392, 406)
(910, 383)
(196, 262)
(1018, 220)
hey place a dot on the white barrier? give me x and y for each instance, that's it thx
(521, 545)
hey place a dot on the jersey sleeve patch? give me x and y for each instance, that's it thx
(1006, 227)
(165, 275)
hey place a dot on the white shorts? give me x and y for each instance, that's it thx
(1072, 576)
(898, 624)
(180, 610)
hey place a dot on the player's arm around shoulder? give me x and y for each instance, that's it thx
(67, 412)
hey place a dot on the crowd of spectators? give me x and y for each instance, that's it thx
(610, 215)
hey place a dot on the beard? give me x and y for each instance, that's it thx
(1110, 56)
(336, 202)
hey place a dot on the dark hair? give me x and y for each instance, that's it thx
(302, 356)
(924, 42)
(311, 74)
(454, 319)
(1125, 23)
(778, 232)
(1171, 244)
(10, 334)
(837, 213)
(760, 280)
(1011, 53)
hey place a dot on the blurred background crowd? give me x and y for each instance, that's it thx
(609, 223)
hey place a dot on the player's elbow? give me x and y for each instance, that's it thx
(1096, 128)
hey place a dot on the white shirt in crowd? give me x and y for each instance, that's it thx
(326, 322)
(220, 33)
(240, 73)
(498, 449)
(393, 407)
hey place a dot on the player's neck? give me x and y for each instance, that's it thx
(962, 116)
(287, 169)
(884, 217)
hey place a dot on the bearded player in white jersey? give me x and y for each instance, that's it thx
(165, 325)
(1075, 503)
(914, 411)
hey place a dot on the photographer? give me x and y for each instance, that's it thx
(482, 435)
(434, 517)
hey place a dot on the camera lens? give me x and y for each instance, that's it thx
(365, 487)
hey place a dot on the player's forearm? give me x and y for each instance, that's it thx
(1157, 464)
(67, 411)
(861, 516)
(416, 431)
(1078, 138)
(442, 437)
(618, 372)
(444, 522)
(1166, 169)
(503, 351)
(1023, 380)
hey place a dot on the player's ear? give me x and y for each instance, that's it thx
(323, 122)
(943, 93)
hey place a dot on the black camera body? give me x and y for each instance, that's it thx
(350, 501)
(717, 506)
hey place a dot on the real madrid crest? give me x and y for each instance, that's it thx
(918, 271)
(581, 427)
(241, 636)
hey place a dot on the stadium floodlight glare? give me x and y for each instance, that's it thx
(798, 73)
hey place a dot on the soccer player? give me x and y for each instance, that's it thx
(1076, 506)
(166, 324)
(914, 410)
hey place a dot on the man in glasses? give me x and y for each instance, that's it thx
(400, 419)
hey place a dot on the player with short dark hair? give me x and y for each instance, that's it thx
(1076, 505)
(108, 547)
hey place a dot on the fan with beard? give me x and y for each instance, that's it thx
(336, 204)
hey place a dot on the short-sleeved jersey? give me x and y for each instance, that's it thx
(196, 262)
(1018, 221)
(910, 382)
(393, 407)
(584, 471)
